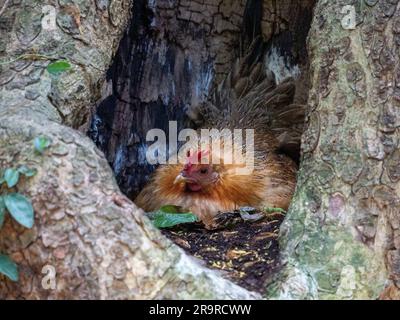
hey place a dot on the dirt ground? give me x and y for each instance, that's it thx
(246, 250)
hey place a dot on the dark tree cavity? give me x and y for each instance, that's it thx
(172, 56)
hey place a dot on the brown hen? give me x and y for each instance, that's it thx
(249, 98)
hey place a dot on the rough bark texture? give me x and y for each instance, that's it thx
(341, 236)
(98, 241)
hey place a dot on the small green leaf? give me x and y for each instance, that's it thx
(2, 211)
(58, 67)
(11, 176)
(169, 216)
(166, 220)
(8, 268)
(27, 172)
(20, 208)
(41, 143)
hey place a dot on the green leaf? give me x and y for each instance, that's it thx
(169, 216)
(166, 220)
(8, 268)
(11, 176)
(41, 143)
(20, 208)
(27, 172)
(2, 211)
(58, 67)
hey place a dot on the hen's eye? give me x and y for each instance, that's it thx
(203, 171)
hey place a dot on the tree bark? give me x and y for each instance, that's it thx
(99, 243)
(341, 235)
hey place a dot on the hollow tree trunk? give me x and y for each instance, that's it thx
(341, 236)
(171, 56)
(98, 242)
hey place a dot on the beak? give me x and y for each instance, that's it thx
(179, 178)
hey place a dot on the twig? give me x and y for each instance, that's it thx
(27, 56)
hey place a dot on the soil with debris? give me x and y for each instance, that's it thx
(247, 250)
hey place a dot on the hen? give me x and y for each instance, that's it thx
(249, 98)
